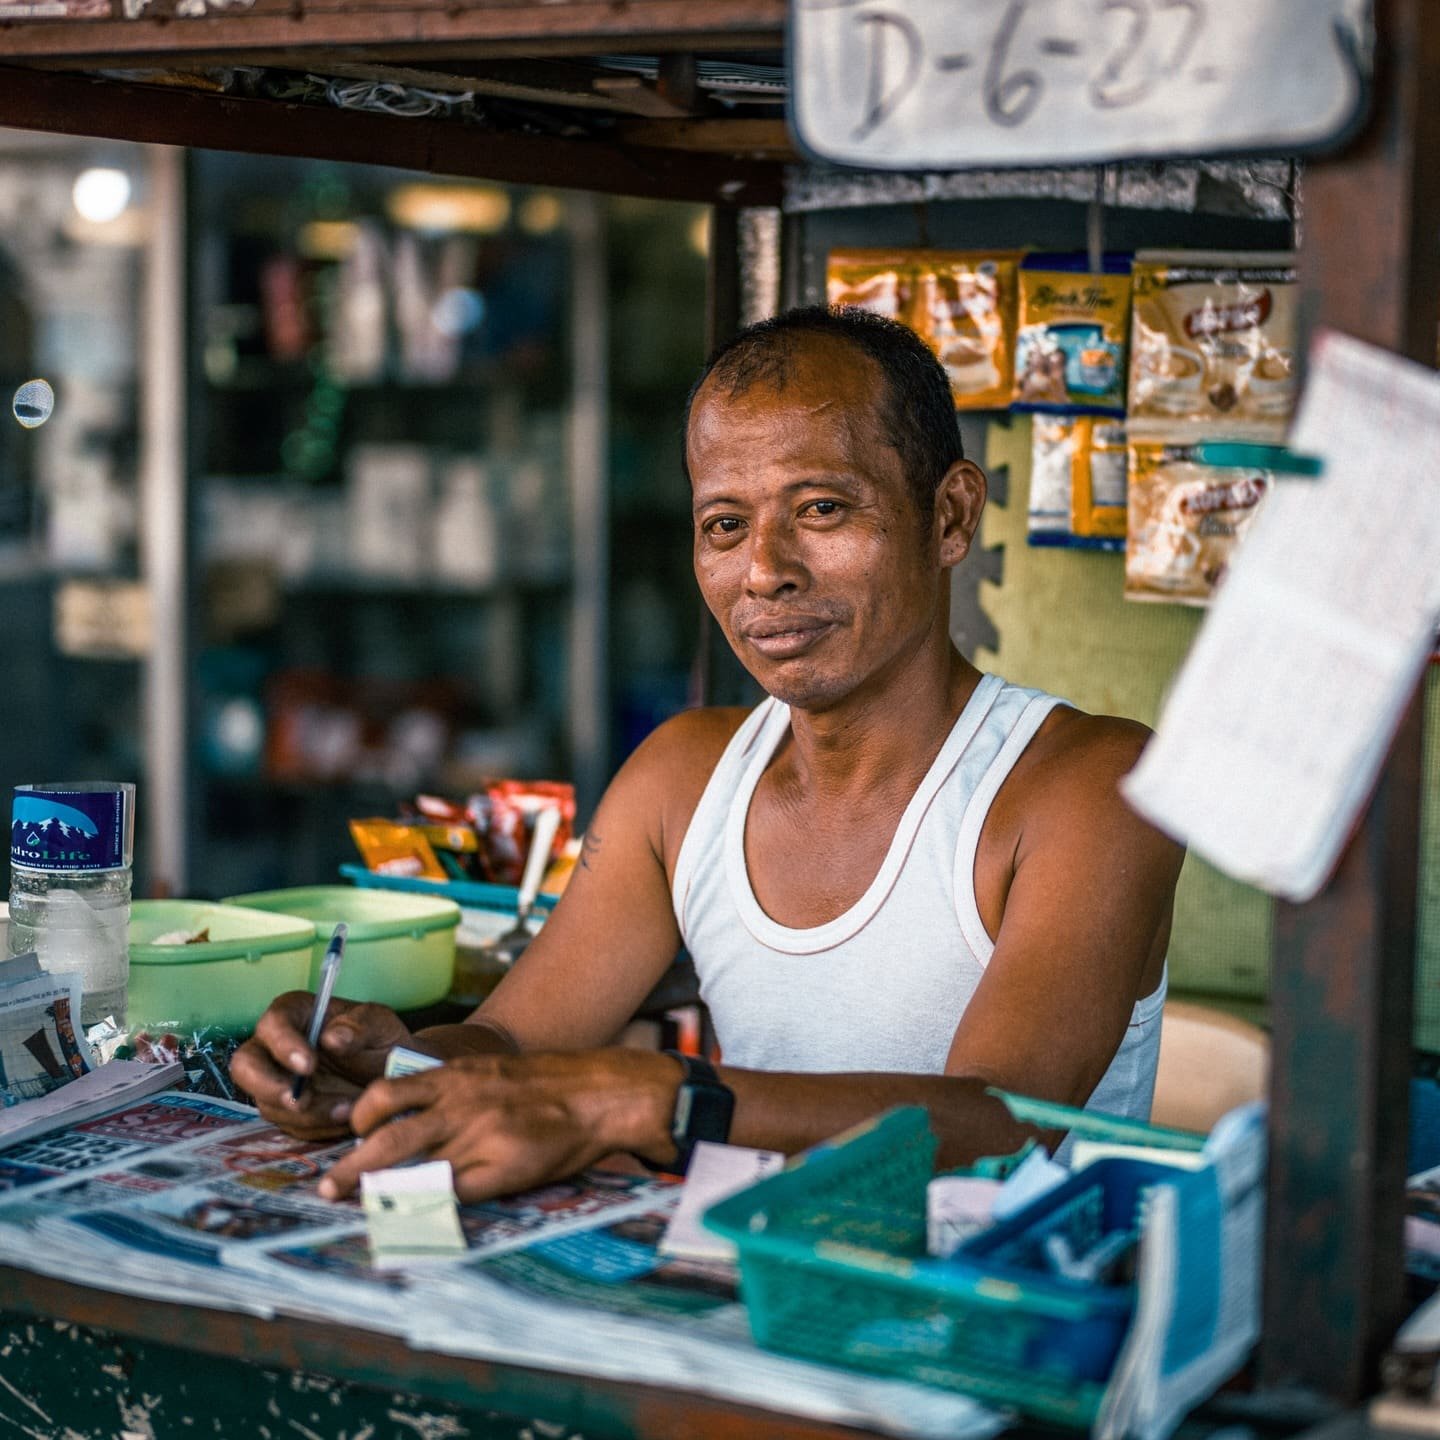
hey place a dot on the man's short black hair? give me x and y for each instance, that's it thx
(916, 413)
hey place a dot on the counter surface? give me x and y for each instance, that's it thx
(78, 1363)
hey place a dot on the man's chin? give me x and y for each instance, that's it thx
(797, 689)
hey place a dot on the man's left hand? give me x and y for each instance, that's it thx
(510, 1122)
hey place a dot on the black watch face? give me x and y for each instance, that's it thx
(703, 1112)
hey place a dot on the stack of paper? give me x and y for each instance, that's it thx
(94, 1093)
(1197, 1310)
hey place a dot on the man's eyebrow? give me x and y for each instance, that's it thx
(833, 479)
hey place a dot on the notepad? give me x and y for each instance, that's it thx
(1280, 719)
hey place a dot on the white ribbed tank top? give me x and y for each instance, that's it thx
(881, 987)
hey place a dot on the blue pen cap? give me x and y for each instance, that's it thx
(73, 826)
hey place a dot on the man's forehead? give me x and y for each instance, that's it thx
(831, 384)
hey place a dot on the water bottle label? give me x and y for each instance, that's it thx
(69, 829)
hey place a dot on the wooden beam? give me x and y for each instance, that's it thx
(1342, 988)
(640, 96)
(767, 139)
(85, 105)
(569, 27)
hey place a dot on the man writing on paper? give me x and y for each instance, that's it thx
(901, 881)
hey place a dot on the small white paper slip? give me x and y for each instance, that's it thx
(1279, 721)
(411, 1214)
(1035, 1174)
(716, 1172)
(402, 1061)
(957, 1207)
(1084, 1153)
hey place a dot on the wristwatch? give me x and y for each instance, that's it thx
(704, 1108)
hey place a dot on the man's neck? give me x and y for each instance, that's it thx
(887, 737)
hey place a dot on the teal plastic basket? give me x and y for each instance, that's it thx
(833, 1268)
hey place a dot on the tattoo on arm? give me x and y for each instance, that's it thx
(590, 850)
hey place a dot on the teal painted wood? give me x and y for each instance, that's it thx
(68, 1382)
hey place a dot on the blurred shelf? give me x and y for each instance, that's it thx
(342, 585)
(288, 786)
(252, 374)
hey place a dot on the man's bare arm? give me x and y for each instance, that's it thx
(614, 934)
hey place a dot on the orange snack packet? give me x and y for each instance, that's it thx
(391, 849)
(881, 281)
(965, 311)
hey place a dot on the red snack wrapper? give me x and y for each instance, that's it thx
(504, 818)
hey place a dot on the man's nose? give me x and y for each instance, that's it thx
(775, 561)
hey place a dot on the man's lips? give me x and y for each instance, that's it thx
(781, 639)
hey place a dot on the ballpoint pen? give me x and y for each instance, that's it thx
(329, 973)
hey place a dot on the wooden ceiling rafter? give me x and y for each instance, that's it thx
(543, 111)
(486, 30)
(66, 103)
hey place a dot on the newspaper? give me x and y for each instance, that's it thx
(188, 1197)
(1280, 719)
(41, 1047)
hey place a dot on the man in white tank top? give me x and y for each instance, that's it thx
(901, 881)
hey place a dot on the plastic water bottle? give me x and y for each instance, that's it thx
(71, 847)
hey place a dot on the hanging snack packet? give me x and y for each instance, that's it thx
(1053, 442)
(881, 281)
(1098, 496)
(1185, 522)
(965, 312)
(1071, 343)
(1212, 346)
(1077, 482)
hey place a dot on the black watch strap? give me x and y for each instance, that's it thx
(704, 1109)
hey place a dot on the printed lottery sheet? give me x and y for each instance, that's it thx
(162, 1122)
(329, 1274)
(189, 1196)
(214, 1195)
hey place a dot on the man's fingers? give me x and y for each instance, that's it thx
(281, 1031)
(383, 1100)
(360, 1036)
(256, 1072)
(404, 1139)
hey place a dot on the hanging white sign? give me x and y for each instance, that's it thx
(966, 84)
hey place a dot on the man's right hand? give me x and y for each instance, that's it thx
(351, 1053)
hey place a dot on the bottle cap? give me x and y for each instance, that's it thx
(73, 826)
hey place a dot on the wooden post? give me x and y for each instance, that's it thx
(1342, 989)
(720, 678)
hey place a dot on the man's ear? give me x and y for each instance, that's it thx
(958, 503)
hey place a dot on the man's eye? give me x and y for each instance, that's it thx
(824, 507)
(724, 525)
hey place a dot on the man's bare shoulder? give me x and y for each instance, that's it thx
(1071, 771)
(1076, 743)
(668, 772)
(688, 745)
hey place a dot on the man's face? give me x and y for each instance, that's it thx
(808, 546)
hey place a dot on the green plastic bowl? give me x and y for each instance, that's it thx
(251, 957)
(401, 948)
